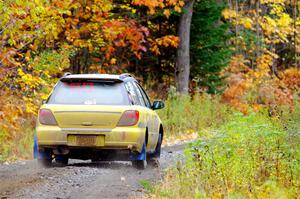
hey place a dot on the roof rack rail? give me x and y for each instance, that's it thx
(124, 75)
(67, 74)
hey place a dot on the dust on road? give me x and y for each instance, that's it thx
(82, 179)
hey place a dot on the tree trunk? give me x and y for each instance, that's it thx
(183, 51)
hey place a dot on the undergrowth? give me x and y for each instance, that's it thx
(183, 114)
(250, 156)
(17, 146)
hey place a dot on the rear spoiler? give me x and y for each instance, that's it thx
(90, 79)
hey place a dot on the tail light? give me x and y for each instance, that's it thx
(46, 117)
(129, 118)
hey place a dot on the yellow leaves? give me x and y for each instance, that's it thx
(277, 30)
(228, 13)
(246, 22)
(166, 41)
(113, 61)
(276, 9)
(167, 13)
(271, 22)
(272, 1)
(285, 20)
(181, 3)
(177, 9)
(27, 80)
(128, 7)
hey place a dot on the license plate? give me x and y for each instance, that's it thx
(86, 140)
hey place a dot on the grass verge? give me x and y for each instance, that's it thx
(253, 156)
(17, 146)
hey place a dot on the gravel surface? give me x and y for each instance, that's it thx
(82, 179)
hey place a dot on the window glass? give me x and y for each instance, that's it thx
(89, 93)
(139, 94)
(146, 99)
(132, 94)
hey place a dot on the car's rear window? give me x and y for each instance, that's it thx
(89, 93)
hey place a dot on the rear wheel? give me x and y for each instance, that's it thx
(157, 151)
(62, 160)
(139, 164)
(154, 157)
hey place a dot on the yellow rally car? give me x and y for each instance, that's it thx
(98, 117)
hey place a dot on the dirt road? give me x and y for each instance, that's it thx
(82, 179)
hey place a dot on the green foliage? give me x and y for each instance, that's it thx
(147, 185)
(50, 62)
(184, 114)
(210, 51)
(249, 156)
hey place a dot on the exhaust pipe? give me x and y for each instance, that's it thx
(61, 151)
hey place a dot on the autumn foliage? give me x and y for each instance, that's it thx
(41, 39)
(264, 72)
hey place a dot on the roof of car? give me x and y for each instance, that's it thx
(104, 77)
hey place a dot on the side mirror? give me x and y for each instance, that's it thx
(158, 105)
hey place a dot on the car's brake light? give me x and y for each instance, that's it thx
(46, 117)
(129, 118)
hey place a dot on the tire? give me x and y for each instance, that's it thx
(139, 164)
(61, 160)
(157, 151)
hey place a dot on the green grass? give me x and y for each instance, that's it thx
(252, 156)
(184, 114)
(146, 184)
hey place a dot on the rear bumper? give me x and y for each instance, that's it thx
(117, 138)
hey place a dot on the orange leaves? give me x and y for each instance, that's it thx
(291, 78)
(113, 61)
(124, 33)
(165, 41)
(151, 4)
(154, 5)
(254, 88)
(167, 13)
(168, 40)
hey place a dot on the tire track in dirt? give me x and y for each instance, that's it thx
(82, 179)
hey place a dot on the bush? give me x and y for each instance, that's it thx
(184, 114)
(18, 147)
(250, 156)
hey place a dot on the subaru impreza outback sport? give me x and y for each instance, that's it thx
(98, 117)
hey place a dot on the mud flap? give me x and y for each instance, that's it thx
(36, 153)
(139, 156)
(35, 146)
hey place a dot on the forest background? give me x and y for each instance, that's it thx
(217, 57)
